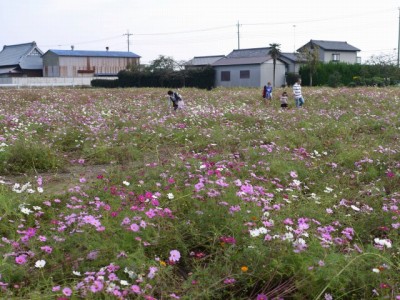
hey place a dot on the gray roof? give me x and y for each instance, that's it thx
(91, 53)
(18, 55)
(252, 52)
(241, 61)
(293, 57)
(332, 45)
(203, 60)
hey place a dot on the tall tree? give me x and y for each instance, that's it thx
(310, 56)
(275, 52)
(162, 64)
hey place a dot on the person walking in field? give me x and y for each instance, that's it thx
(284, 100)
(268, 91)
(298, 97)
(176, 99)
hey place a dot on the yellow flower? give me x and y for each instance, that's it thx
(244, 269)
(163, 263)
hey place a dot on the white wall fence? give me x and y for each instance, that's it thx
(48, 81)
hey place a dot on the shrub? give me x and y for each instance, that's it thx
(106, 83)
(26, 157)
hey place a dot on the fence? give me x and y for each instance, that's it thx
(20, 82)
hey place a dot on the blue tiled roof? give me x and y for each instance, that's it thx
(94, 53)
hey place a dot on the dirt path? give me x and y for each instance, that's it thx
(59, 182)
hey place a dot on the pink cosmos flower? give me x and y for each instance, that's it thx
(56, 288)
(21, 259)
(136, 289)
(174, 255)
(293, 174)
(229, 281)
(134, 227)
(47, 249)
(67, 291)
(152, 272)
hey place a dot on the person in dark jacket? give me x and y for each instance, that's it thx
(176, 99)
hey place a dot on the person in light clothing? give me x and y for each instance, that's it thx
(298, 97)
(284, 100)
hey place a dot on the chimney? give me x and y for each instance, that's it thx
(107, 48)
(72, 47)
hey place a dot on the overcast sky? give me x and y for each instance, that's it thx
(183, 29)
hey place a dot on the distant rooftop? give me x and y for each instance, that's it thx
(332, 45)
(204, 60)
(93, 53)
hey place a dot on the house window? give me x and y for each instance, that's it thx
(358, 60)
(245, 74)
(225, 76)
(335, 57)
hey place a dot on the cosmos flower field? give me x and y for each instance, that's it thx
(108, 194)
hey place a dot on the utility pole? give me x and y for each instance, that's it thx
(128, 35)
(398, 44)
(238, 34)
(294, 38)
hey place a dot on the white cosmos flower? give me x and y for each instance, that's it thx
(255, 232)
(40, 264)
(126, 183)
(375, 270)
(124, 282)
(26, 210)
(385, 242)
(170, 196)
(355, 208)
(77, 273)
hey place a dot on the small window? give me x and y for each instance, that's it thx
(245, 74)
(335, 57)
(225, 76)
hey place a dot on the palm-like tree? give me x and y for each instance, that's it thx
(275, 52)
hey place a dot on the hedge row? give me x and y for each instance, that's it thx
(335, 74)
(199, 78)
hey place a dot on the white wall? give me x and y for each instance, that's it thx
(235, 80)
(267, 71)
(47, 81)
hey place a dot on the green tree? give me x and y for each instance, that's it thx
(163, 64)
(310, 56)
(275, 52)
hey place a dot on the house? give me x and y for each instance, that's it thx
(202, 61)
(248, 68)
(292, 61)
(21, 60)
(85, 63)
(334, 51)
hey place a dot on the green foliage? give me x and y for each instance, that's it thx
(106, 83)
(27, 157)
(334, 79)
(351, 74)
(291, 78)
(201, 78)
